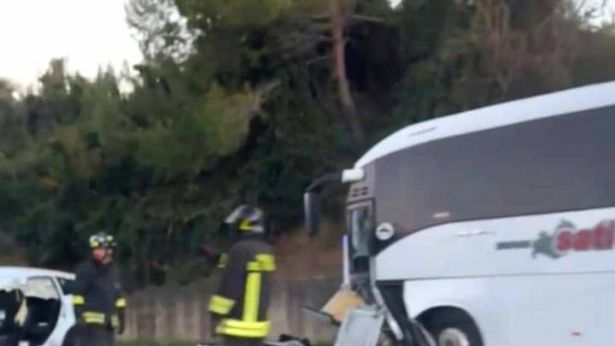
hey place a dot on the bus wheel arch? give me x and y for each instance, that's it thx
(451, 326)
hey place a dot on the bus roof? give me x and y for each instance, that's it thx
(509, 113)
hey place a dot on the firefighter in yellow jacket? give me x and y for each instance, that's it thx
(239, 307)
(99, 304)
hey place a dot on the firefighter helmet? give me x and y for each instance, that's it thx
(246, 219)
(102, 240)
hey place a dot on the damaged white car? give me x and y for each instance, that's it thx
(35, 307)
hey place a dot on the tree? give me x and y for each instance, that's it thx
(339, 12)
(246, 101)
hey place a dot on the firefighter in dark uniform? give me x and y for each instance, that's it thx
(239, 307)
(99, 305)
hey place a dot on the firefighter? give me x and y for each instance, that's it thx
(99, 305)
(239, 306)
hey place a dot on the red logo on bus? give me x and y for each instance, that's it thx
(567, 238)
(600, 237)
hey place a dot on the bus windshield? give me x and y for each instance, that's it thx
(360, 226)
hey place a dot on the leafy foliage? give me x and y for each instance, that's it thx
(236, 101)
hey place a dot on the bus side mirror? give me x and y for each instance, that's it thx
(311, 201)
(312, 214)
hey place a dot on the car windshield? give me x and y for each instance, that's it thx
(40, 287)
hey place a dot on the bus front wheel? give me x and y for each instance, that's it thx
(452, 327)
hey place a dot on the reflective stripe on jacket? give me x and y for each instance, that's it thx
(96, 296)
(242, 299)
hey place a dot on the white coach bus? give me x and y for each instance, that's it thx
(493, 227)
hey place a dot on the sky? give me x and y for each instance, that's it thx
(610, 4)
(88, 33)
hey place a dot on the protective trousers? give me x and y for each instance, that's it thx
(89, 335)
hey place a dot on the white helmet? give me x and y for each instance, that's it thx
(247, 219)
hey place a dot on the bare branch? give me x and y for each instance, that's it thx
(323, 16)
(370, 19)
(320, 27)
(319, 59)
(262, 92)
(580, 6)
